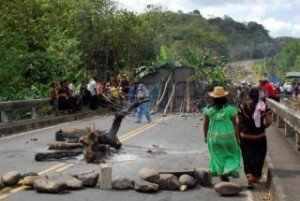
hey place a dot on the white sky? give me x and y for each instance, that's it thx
(280, 17)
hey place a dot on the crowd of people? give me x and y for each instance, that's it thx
(68, 98)
(236, 132)
(275, 91)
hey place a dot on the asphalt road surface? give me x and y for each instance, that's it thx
(178, 146)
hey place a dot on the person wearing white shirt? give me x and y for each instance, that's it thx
(92, 88)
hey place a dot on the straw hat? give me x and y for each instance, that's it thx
(218, 92)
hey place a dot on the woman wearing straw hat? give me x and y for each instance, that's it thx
(220, 133)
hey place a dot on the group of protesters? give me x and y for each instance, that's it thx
(68, 98)
(275, 91)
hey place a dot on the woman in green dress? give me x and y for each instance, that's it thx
(220, 133)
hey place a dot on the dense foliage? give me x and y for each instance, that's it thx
(45, 41)
(288, 59)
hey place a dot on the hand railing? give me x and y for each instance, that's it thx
(286, 118)
(8, 107)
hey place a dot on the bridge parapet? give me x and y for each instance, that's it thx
(8, 107)
(287, 119)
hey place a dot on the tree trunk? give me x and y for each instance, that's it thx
(89, 140)
(64, 145)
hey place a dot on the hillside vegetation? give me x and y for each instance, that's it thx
(45, 41)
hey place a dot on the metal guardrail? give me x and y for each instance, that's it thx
(8, 107)
(287, 119)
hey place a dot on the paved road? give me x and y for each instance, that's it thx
(180, 137)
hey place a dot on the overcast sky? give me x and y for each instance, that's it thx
(280, 17)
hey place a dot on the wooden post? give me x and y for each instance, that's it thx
(6, 116)
(105, 177)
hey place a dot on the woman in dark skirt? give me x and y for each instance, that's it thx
(254, 118)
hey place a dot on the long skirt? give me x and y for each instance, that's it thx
(254, 153)
(225, 156)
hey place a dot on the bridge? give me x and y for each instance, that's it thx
(164, 144)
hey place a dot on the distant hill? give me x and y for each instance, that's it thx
(281, 41)
(235, 40)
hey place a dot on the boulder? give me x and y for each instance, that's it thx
(145, 186)
(89, 180)
(46, 185)
(30, 174)
(29, 180)
(71, 182)
(168, 182)
(228, 188)
(187, 180)
(11, 178)
(122, 183)
(203, 176)
(149, 174)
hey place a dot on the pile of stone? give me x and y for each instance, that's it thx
(51, 182)
(151, 180)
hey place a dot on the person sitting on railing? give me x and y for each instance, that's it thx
(64, 98)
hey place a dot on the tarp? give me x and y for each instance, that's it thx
(274, 79)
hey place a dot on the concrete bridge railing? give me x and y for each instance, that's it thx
(287, 119)
(8, 107)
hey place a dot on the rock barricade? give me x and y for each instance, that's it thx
(29, 180)
(228, 188)
(203, 176)
(186, 181)
(145, 186)
(11, 178)
(89, 180)
(149, 174)
(168, 182)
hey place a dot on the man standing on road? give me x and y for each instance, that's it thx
(144, 107)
